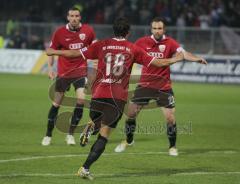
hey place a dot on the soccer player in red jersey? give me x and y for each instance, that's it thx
(116, 57)
(155, 83)
(74, 35)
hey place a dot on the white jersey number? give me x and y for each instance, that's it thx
(118, 61)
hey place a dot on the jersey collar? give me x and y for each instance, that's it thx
(119, 39)
(163, 37)
(68, 28)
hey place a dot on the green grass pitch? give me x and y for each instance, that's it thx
(208, 118)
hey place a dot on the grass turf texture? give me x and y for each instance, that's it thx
(207, 116)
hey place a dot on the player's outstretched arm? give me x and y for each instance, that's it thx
(193, 58)
(64, 53)
(169, 61)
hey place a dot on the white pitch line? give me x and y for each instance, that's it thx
(40, 157)
(207, 173)
(113, 175)
(109, 154)
(77, 155)
(36, 175)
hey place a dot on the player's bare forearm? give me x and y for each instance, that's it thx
(64, 53)
(168, 61)
(50, 61)
(193, 58)
(51, 72)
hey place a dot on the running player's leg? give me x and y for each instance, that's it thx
(112, 113)
(96, 151)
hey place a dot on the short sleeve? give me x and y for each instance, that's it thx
(175, 47)
(93, 38)
(55, 41)
(92, 35)
(139, 43)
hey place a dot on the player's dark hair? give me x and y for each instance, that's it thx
(121, 27)
(158, 19)
(73, 9)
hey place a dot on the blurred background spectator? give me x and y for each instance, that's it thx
(29, 23)
(196, 12)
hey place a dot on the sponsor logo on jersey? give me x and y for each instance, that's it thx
(156, 54)
(75, 46)
(162, 48)
(82, 36)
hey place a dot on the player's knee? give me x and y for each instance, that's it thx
(133, 111)
(58, 99)
(80, 101)
(170, 118)
(132, 115)
(80, 95)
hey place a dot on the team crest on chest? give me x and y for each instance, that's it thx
(162, 48)
(82, 36)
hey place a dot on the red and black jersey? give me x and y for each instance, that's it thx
(115, 60)
(152, 76)
(65, 39)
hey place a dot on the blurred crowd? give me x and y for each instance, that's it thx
(14, 38)
(181, 13)
(202, 13)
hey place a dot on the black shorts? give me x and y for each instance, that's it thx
(106, 111)
(163, 98)
(64, 84)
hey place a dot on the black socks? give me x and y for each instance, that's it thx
(77, 115)
(130, 127)
(97, 149)
(51, 120)
(172, 134)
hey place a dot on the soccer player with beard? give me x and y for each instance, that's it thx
(116, 57)
(155, 83)
(74, 35)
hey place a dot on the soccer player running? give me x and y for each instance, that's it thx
(74, 35)
(155, 83)
(116, 57)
